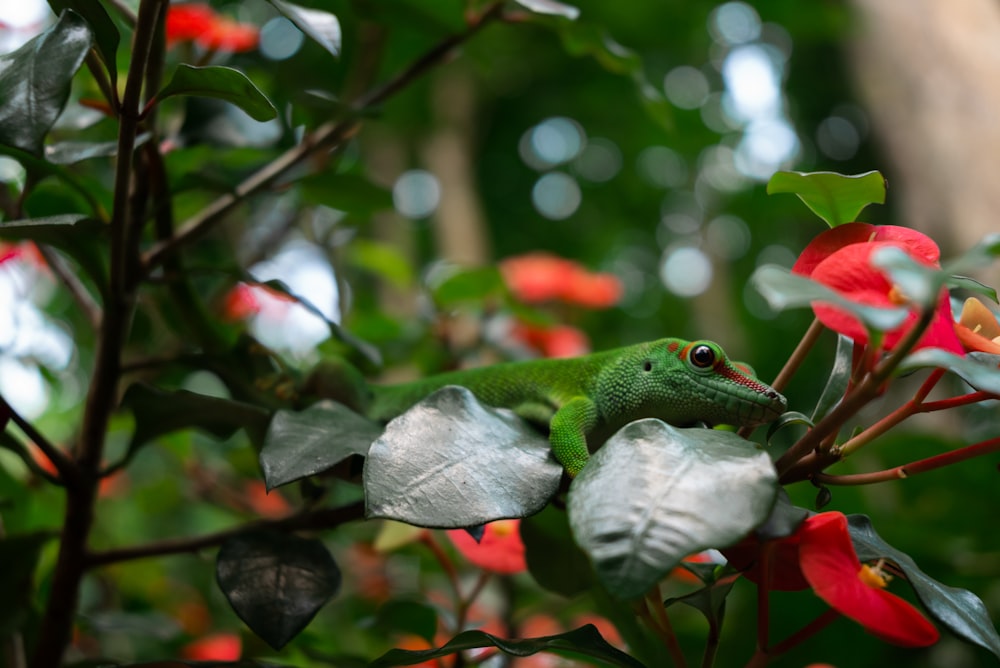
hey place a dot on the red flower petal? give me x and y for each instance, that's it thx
(536, 277)
(830, 565)
(499, 551)
(917, 244)
(226, 35)
(558, 341)
(188, 21)
(849, 272)
(785, 574)
(218, 647)
(593, 290)
(828, 242)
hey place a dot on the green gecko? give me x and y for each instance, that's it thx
(585, 400)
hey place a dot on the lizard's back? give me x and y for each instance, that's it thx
(547, 382)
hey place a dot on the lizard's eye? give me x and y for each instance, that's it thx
(647, 365)
(702, 356)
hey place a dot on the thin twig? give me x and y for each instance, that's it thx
(63, 465)
(77, 290)
(792, 365)
(920, 466)
(866, 390)
(326, 518)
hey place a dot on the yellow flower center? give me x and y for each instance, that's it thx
(874, 576)
(897, 296)
(503, 528)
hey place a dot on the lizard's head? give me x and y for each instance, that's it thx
(696, 382)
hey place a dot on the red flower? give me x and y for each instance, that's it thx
(246, 299)
(217, 647)
(821, 555)
(500, 550)
(266, 504)
(558, 341)
(840, 258)
(541, 277)
(227, 35)
(200, 23)
(188, 22)
(25, 251)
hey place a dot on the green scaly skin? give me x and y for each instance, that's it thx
(584, 400)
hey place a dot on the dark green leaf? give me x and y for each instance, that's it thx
(71, 152)
(550, 7)
(159, 412)
(787, 419)
(346, 192)
(39, 168)
(687, 490)
(553, 557)
(585, 641)
(451, 462)
(323, 27)
(223, 83)
(979, 371)
(840, 376)
(974, 286)
(276, 582)
(35, 81)
(836, 198)
(105, 33)
(960, 610)
(304, 443)
(408, 617)
(474, 285)
(78, 236)
(709, 601)
(383, 260)
(784, 519)
(19, 557)
(783, 289)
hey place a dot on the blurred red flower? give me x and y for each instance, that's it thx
(246, 299)
(840, 258)
(541, 277)
(216, 647)
(500, 550)
(199, 23)
(821, 556)
(266, 504)
(558, 341)
(26, 251)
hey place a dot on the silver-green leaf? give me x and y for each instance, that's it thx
(451, 462)
(655, 494)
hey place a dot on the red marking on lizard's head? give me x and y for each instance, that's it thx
(740, 375)
(673, 346)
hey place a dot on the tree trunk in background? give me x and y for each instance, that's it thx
(928, 72)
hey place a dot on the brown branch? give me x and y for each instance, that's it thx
(913, 468)
(77, 290)
(794, 362)
(81, 490)
(326, 518)
(865, 391)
